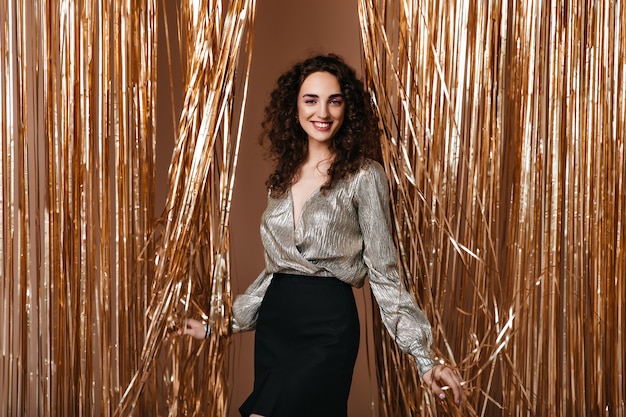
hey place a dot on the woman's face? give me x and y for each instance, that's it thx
(321, 107)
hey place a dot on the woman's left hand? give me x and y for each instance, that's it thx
(441, 378)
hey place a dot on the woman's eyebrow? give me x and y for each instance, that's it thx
(316, 96)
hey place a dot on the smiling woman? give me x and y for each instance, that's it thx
(326, 227)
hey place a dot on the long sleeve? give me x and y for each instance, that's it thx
(406, 323)
(246, 305)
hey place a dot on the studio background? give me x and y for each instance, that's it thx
(504, 143)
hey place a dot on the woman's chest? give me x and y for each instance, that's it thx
(319, 214)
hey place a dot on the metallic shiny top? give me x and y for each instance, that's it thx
(344, 233)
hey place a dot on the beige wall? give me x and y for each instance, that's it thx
(285, 31)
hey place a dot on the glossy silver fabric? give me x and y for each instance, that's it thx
(345, 233)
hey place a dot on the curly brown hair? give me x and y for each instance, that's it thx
(358, 138)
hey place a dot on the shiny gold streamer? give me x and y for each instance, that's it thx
(77, 225)
(78, 100)
(504, 125)
(193, 270)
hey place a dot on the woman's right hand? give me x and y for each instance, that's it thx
(196, 329)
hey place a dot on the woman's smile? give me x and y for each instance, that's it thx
(322, 125)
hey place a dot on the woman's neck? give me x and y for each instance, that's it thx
(318, 153)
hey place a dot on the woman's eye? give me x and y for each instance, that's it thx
(336, 102)
(309, 101)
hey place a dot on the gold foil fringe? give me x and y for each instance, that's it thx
(192, 276)
(77, 228)
(505, 141)
(504, 125)
(78, 100)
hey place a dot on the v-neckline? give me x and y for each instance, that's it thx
(296, 222)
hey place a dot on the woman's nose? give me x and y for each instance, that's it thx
(323, 111)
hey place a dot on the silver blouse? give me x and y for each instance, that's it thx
(344, 233)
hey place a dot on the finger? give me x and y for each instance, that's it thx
(452, 382)
(187, 329)
(455, 387)
(458, 391)
(437, 389)
(191, 327)
(433, 382)
(187, 324)
(193, 324)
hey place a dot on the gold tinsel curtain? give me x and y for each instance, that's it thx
(505, 125)
(504, 140)
(91, 281)
(193, 270)
(77, 103)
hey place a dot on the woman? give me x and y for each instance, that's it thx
(327, 225)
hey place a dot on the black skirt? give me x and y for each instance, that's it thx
(306, 343)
